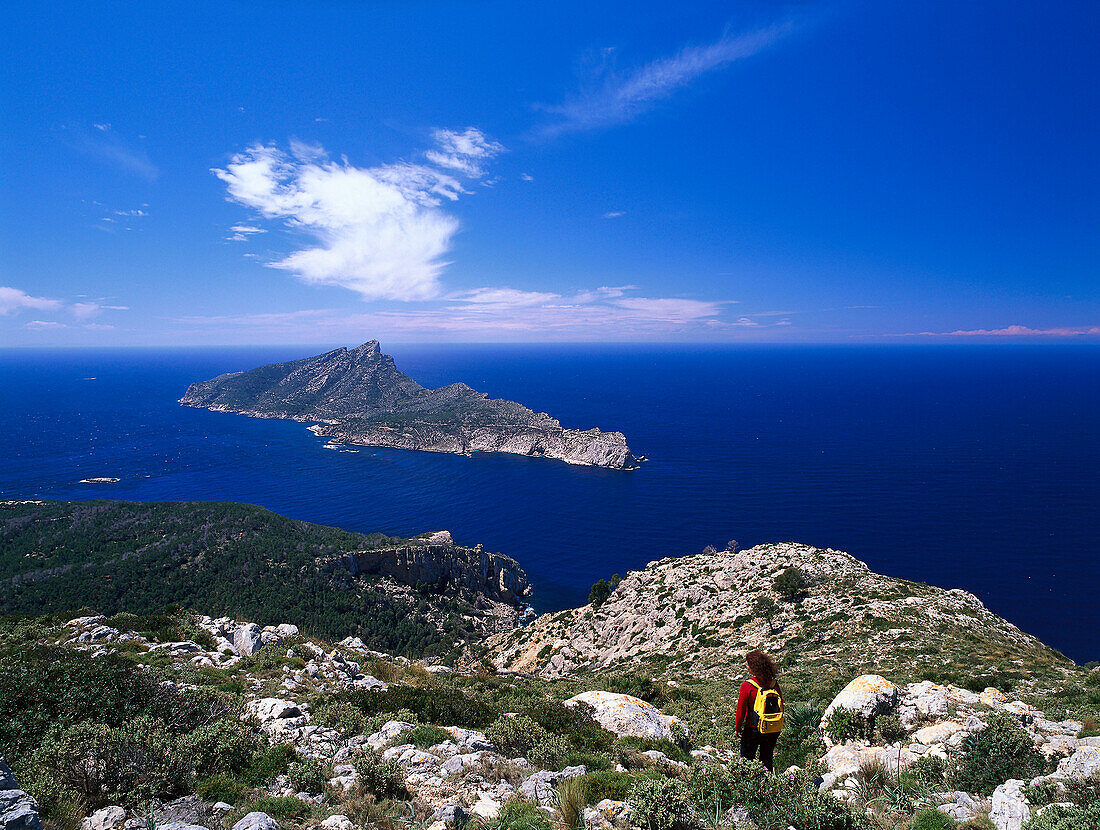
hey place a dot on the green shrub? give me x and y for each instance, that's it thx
(308, 777)
(518, 814)
(791, 584)
(630, 744)
(932, 819)
(381, 778)
(599, 593)
(222, 746)
(662, 804)
(890, 730)
(444, 705)
(282, 807)
(773, 802)
(844, 725)
(1058, 817)
(927, 771)
(635, 685)
(115, 765)
(221, 788)
(574, 723)
(426, 736)
(339, 715)
(569, 799)
(520, 735)
(596, 786)
(268, 763)
(990, 757)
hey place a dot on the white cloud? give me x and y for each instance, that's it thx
(1010, 331)
(102, 127)
(13, 299)
(84, 310)
(45, 324)
(378, 231)
(107, 146)
(614, 214)
(134, 212)
(464, 152)
(618, 98)
(527, 177)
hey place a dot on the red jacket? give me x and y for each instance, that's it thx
(745, 701)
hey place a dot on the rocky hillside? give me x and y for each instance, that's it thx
(417, 596)
(697, 615)
(216, 724)
(360, 397)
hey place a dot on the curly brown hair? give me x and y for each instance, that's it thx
(763, 668)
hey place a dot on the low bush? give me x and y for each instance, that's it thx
(339, 715)
(518, 814)
(596, 786)
(221, 788)
(569, 799)
(662, 804)
(308, 777)
(991, 756)
(629, 744)
(443, 705)
(1059, 817)
(890, 730)
(773, 802)
(224, 746)
(791, 583)
(844, 725)
(927, 772)
(268, 763)
(425, 736)
(574, 723)
(933, 819)
(520, 735)
(280, 807)
(380, 778)
(599, 593)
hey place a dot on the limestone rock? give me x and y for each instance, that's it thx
(18, 811)
(257, 821)
(106, 819)
(273, 709)
(539, 787)
(1084, 762)
(868, 695)
(247, 639)
(337, 822)
(1010, 807)
(937, 733)
(626, 715)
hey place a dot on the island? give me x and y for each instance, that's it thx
(358, 396)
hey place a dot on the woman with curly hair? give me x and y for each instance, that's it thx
(764, 677)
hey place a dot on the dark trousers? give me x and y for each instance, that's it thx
(751, 740)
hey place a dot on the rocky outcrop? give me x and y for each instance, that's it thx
(698, 615)
(18, 811)
(439, 564)
(359, 396)
(867, 696)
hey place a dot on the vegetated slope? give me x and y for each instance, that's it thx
(359, 396)
(698, 615)
(222, 558)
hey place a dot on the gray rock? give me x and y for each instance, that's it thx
(338, 822)
(1010, 807)
(18, 811)
(626, 715)
(257, 821)
(106, 819)
(247, 639)
(539, 788)
(450, 814)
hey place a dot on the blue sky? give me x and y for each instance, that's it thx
(217, 173)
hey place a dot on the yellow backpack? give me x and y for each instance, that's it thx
(767, 711)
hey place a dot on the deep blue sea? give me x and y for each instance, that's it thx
(963, 466)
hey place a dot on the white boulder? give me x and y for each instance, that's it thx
(868, 695)
(257, 821)
(630, 716)
(1010, 807)
(106, 819)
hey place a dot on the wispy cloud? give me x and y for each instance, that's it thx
(614, 214)
(379, 231)
(601, 313)
(107, 146)
(464, 152)
(45, 324)
(1010, 331)
(85, 310)
(616, 98)
(14, 299)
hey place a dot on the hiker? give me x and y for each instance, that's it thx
(759, 709)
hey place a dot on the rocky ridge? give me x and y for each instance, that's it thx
(687, 615)
(359, 396)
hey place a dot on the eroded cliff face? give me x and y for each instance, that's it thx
(439, 564)
(698, 615)
(359, 396)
